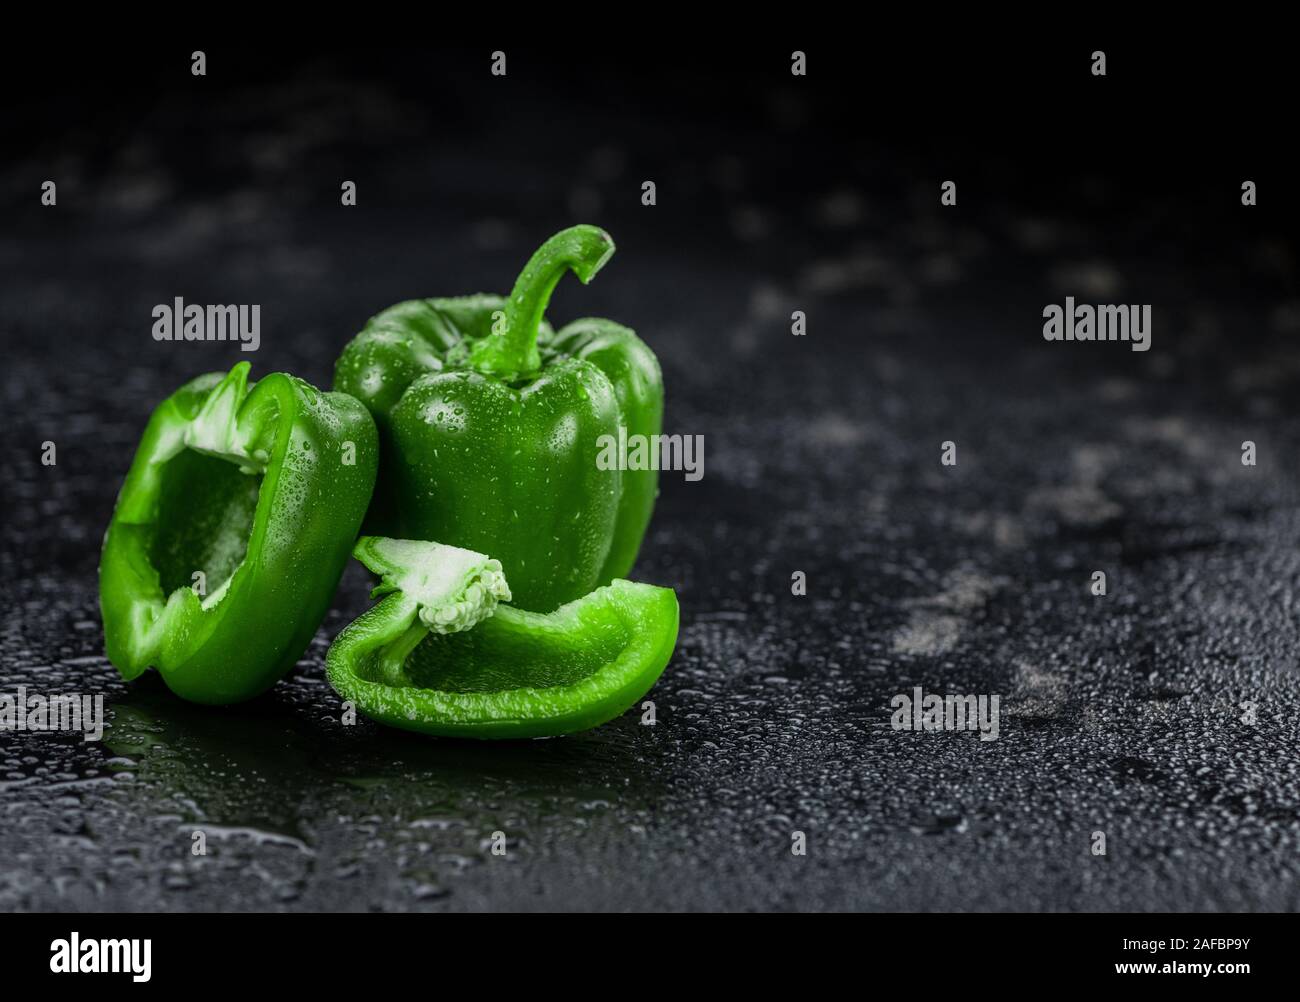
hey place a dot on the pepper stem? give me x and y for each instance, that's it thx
(513, 353)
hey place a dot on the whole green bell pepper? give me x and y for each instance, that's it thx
(231, 531)
(438, 655)
(491, 426)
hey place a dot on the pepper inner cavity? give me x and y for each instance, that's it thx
(205, 518)
(510, 651)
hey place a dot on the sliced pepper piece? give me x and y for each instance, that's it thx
(493, 426)
(439, 656)
(255, 492)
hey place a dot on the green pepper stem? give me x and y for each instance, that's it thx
(513, 353)
(392, 658)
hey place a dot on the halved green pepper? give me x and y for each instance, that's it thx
(492, 427)
(438, 655)
(231, 531)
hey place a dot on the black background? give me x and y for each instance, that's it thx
(1120, 714)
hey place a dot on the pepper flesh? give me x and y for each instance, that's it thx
(261, 488)
(516, 674)
(491, 424)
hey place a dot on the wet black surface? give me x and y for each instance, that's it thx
(1120, 714)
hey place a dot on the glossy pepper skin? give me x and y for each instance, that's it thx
(437, 655)
(491, 424)
(262, 488)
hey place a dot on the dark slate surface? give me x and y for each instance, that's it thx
(1120, 714)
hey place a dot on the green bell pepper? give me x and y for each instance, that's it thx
(256, 491)
(491, 424)
(438, 655)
